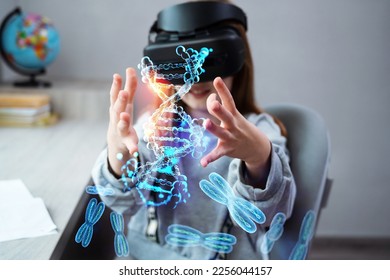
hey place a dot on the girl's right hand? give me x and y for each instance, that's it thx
(122, 137)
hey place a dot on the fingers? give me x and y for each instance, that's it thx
(124, 124)
(120, 105)
(218, 131)
(224, 94)
(121, 136)
(224, 135)
(122, 100)
(219, 111)
(130, 138)
(212, 156)
(131, 83)
(115, 88)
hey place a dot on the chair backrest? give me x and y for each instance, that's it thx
(309, 146)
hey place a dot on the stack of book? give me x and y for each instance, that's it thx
(20, 109)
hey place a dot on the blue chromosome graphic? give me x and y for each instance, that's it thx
(92, 215)
(241, 210)
(170, 133)
(99, 190)
(120, 242)
(306, 233)
(274, 233)
(181, 235)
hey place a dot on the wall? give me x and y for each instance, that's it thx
(329, 55)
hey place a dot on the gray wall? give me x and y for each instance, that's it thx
(330, 55)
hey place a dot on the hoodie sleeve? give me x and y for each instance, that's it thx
(120, 201)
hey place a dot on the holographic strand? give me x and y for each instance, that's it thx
(170, 133)
(306, 233)
(181, 235)
(92, 215)
(274, 233)
(120, 242)
(99, 190)
(241, 210)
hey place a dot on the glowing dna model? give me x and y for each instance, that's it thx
(241, 210)
(305, 235)
(170, 132)
(180, 235)
(120, 242)
(92, 215)
(274, 233)
(99, 190)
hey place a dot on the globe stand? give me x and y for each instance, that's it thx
(33, 82)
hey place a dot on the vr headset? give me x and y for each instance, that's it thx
(196, 25)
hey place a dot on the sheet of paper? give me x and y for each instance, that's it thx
(12, 189)
(21, 215)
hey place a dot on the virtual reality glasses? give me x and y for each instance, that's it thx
(197, 25)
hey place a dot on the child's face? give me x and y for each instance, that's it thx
(196, 98)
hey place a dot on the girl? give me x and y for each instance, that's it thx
(246, 146)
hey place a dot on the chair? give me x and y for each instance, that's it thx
(309, 146)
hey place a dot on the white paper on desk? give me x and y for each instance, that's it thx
(21, 215)
(12, 189)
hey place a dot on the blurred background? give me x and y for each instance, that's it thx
(332, 56)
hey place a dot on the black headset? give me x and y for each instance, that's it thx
(197, 25)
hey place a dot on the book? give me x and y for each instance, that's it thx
(40, 120)
(11, 100)
(22, 109)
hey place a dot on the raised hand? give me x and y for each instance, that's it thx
(121, 136)
(238, 137)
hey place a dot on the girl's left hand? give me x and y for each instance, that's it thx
(237, 137)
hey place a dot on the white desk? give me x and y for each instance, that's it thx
(55, 164)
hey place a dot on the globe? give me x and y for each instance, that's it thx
(28, 44)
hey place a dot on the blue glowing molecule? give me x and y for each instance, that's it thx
(274, 233)
(185, 236)
(170, 133)
(266, 245)
(307, 228)
(99, 190)
(306, 233)
(119, 156)
(279, 219)
(242, 211)
(129, 172)
(299, 252)
(92, 215)
(121, 244)
(276, 228)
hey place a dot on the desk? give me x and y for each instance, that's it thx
(55, 163)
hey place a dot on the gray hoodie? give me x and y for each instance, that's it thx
(200, 211)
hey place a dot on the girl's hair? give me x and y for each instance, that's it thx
(243, 90)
